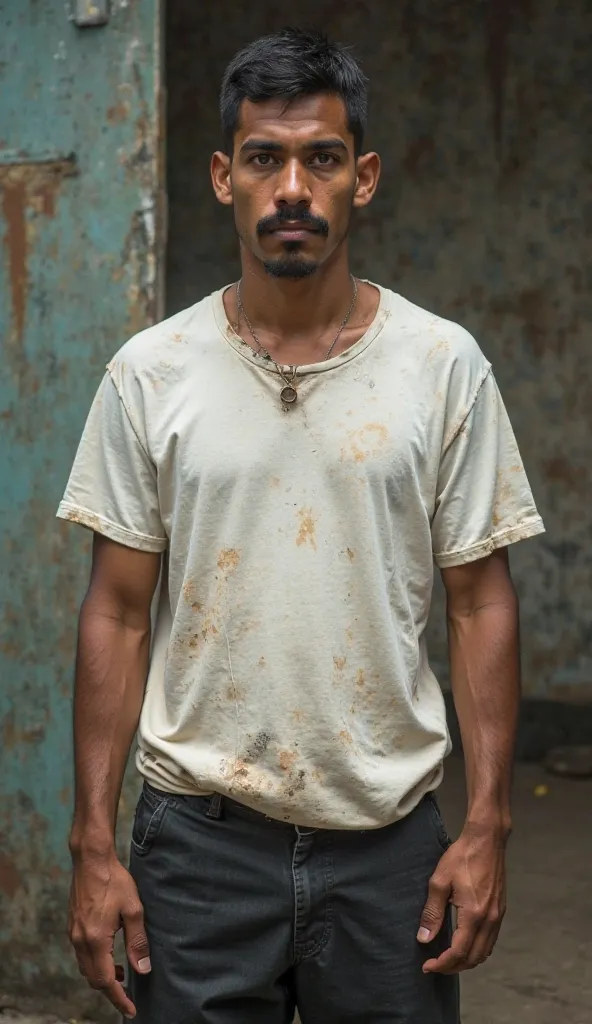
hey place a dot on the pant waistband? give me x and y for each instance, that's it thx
(217, 806)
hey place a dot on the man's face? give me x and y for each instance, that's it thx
(292, 181)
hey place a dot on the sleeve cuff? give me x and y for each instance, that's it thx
(120, 534)
(513, 534)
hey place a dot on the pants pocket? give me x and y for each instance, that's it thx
(436, 817)
(149, 818)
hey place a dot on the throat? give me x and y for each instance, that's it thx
(308, 345)
(292, 352)
(303, 348)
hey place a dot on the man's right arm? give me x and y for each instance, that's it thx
(111, 671)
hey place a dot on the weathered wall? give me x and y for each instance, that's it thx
(481, 112)
(78, 174)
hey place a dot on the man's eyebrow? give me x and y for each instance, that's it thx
(261, 145)
(322, 144)
(267, 146)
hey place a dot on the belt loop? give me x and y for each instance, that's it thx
(215, 809)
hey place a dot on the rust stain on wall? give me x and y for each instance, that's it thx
(10, 879)
(26, 187)
(13, 737)
(118, 112)
(15, 240)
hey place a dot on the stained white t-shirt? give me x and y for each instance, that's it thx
(289, 666)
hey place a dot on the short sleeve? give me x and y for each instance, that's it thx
(484, 500)
(113, 487)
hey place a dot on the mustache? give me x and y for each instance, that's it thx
(294, 215)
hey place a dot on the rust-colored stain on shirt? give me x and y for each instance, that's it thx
(287, 759)
(503, 497)
(307, 532)
(88, 519)
(189, 593)
(365, 442)
(228, 559)
(442, 345)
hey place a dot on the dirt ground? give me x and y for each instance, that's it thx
(541, 972)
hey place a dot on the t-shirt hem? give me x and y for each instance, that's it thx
(99, 524)
(511, 535)
(169, 778)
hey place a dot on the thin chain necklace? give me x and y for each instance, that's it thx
(289, 392)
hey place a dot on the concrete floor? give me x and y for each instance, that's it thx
(541, 972)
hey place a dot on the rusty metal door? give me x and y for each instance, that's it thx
(81, 228)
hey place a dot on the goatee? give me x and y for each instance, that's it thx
(294, 269)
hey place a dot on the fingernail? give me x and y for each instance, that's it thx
(423, 935)
(144, 965)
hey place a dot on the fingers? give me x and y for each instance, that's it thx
(136, 940)
(434, 910)
(95, 962)
(485, 941)
(453, 959)
(472, 943)
(104, 897)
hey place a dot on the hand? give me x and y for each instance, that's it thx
(104, 898)
(471, 875)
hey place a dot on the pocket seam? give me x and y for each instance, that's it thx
(147, 842)
(443, 838)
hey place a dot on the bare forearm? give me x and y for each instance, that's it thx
(485, 669)
(111, 673)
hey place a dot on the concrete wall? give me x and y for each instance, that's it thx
(481, 112)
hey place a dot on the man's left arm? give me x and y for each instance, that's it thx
(483, 631)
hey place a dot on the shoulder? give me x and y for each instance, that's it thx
(440, 353)
(168, 344)
(433, 338)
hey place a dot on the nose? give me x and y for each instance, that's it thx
(292, 185)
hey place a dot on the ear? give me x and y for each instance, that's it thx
(221, 179)
(367, 175)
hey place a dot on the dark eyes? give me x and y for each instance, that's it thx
(317, 159)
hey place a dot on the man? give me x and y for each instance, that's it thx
(288, 457)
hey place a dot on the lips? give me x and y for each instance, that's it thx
(293, 229)
(292, 232)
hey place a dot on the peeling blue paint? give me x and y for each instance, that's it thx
(67, 299)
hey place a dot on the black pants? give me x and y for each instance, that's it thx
(248, 918)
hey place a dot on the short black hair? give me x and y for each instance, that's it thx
(290, 64)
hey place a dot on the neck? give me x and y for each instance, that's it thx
(291, 309)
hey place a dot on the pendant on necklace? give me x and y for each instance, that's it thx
(288, 395)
